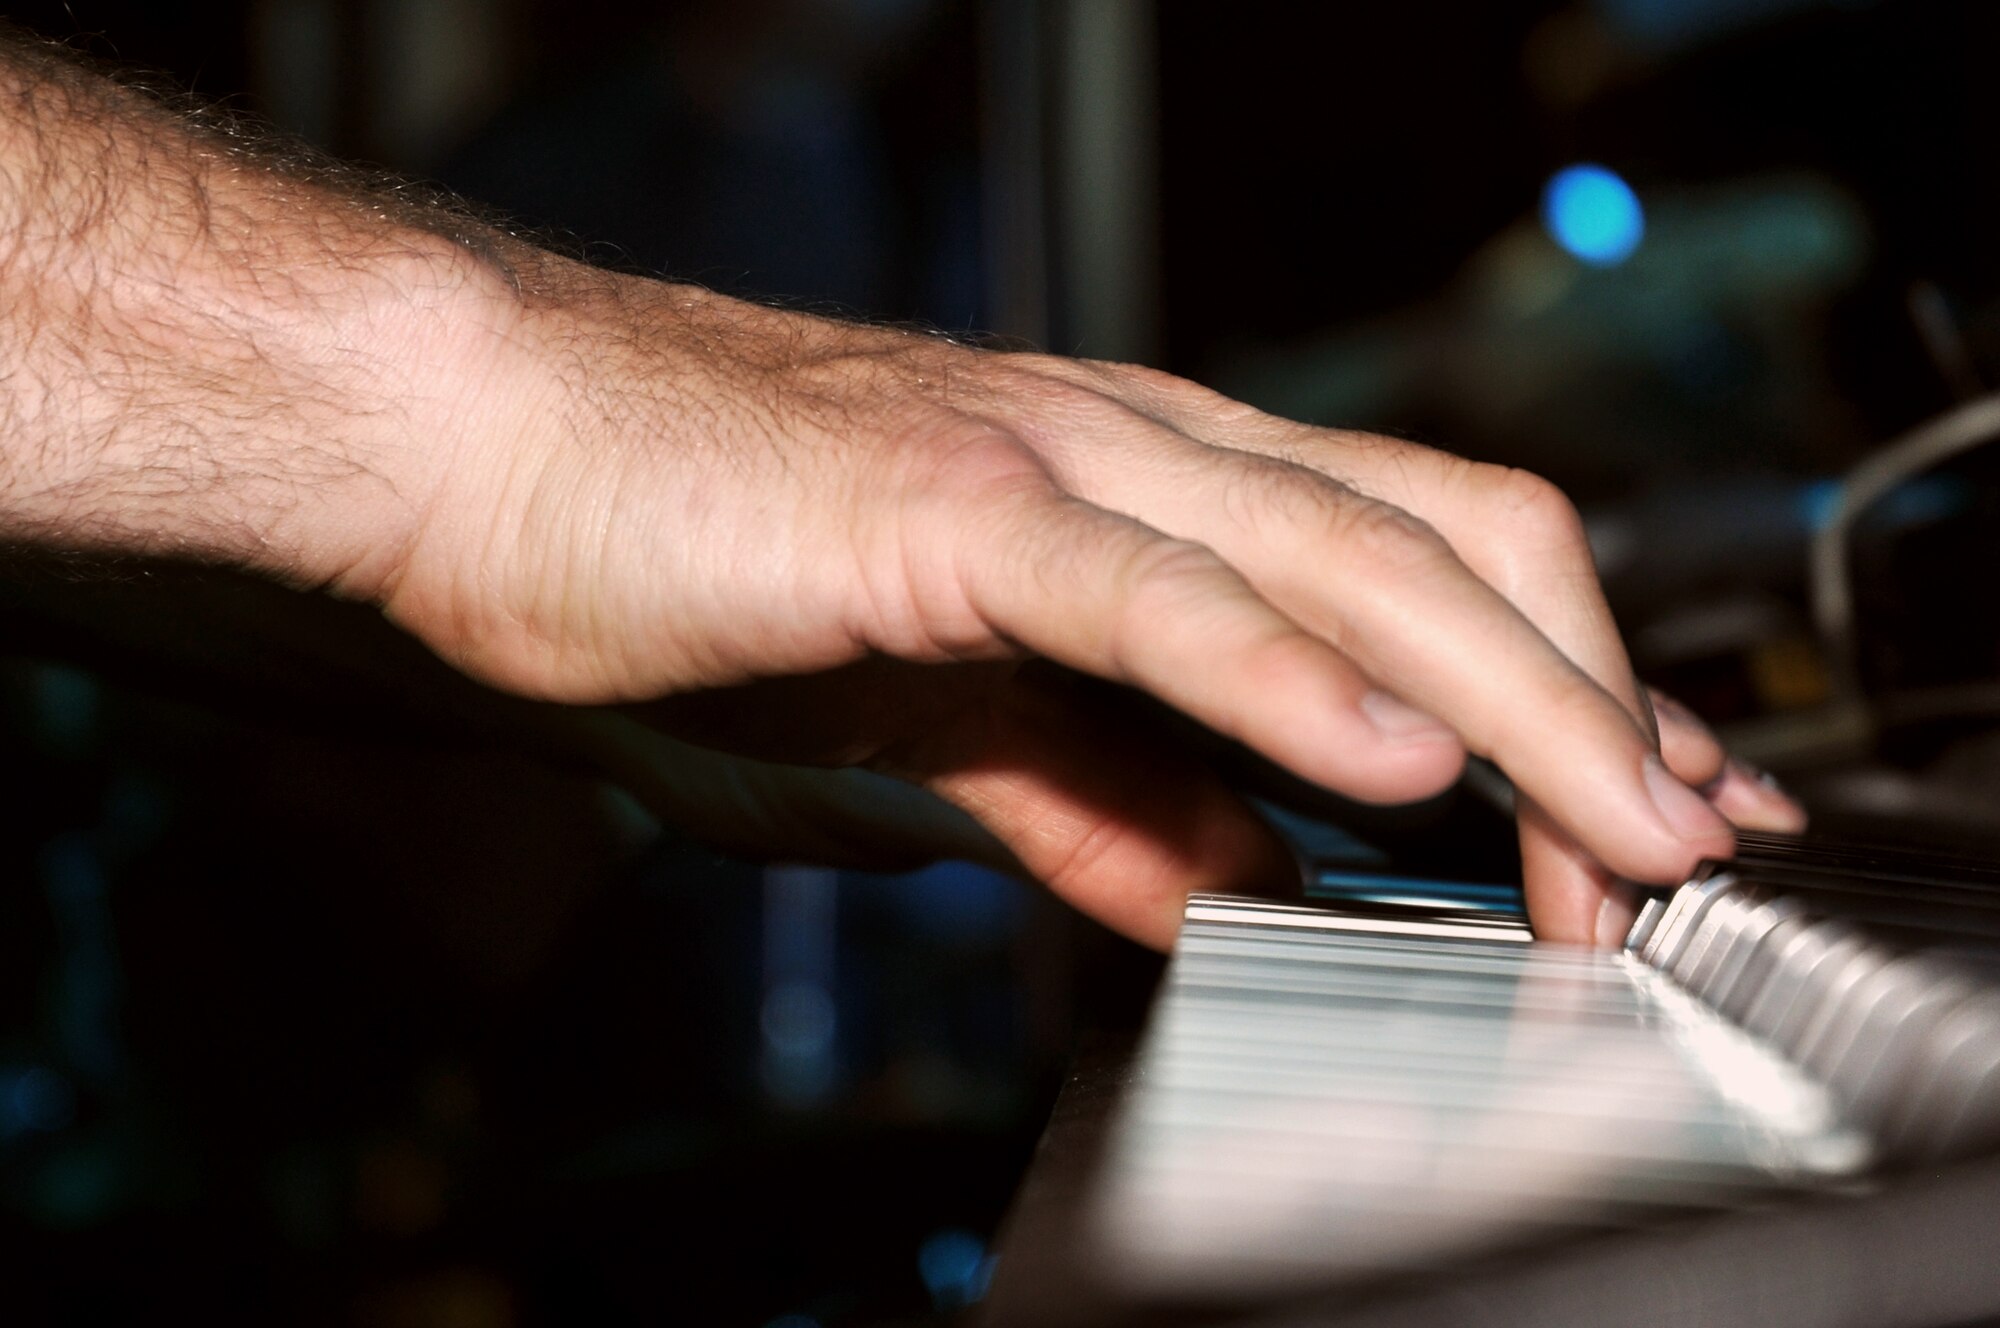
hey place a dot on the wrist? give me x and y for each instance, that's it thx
(524, 412)
(585, 411)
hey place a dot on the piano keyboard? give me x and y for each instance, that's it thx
(1338, 1096)
(1885, 991)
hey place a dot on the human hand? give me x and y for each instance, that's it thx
(787, 524)
(815, 540)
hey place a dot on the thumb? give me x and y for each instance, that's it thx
(1116, 821)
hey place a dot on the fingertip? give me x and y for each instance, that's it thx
(1688, 746)
(1753, 800)
(1685, 813)
(1340, 732)
(1160, 931)
(1616, 913)
(1416, 776)
(1564, 885)
(1367, 769)
(1400, 723)
(1672, 863)
(1108, 814)
(1231, 852)
(1665, 846)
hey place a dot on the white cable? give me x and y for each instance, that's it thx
(1951, 434)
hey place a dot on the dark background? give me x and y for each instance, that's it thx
(330, 994)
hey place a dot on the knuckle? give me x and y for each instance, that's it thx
(1135, 392)
(924, 520)
(1388, 538)
(1040, 362)
(1102, 375)
(1146, 385)
(963, 460)
(1261, 497)
(1533, 508)
(1328, 450)
(1165, 573)
(1081, 415)
(1066, 418)
(1076, 862)
(1166, 580)
(1284, 663)
(1277, 499)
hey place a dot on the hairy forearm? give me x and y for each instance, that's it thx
(204, 352)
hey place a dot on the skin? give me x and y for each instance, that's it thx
(811, 540)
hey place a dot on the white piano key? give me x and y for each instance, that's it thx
(1316, 1094)
(1876, 1066)
(1729, 988)
(1799, 953)
(1952, 1095)
(1714, 933)
(1683, 918)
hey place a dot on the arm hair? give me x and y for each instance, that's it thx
(213, 343)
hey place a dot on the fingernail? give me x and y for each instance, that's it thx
(1665, 707)
(1685, 812)
(1762, 781)
(1399, 721)
(1763, 777)
(1615, 915)
(1774, 794)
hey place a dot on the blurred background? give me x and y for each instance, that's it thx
(336, 992)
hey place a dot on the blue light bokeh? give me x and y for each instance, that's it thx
(955, 1267)
(1593, 214)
